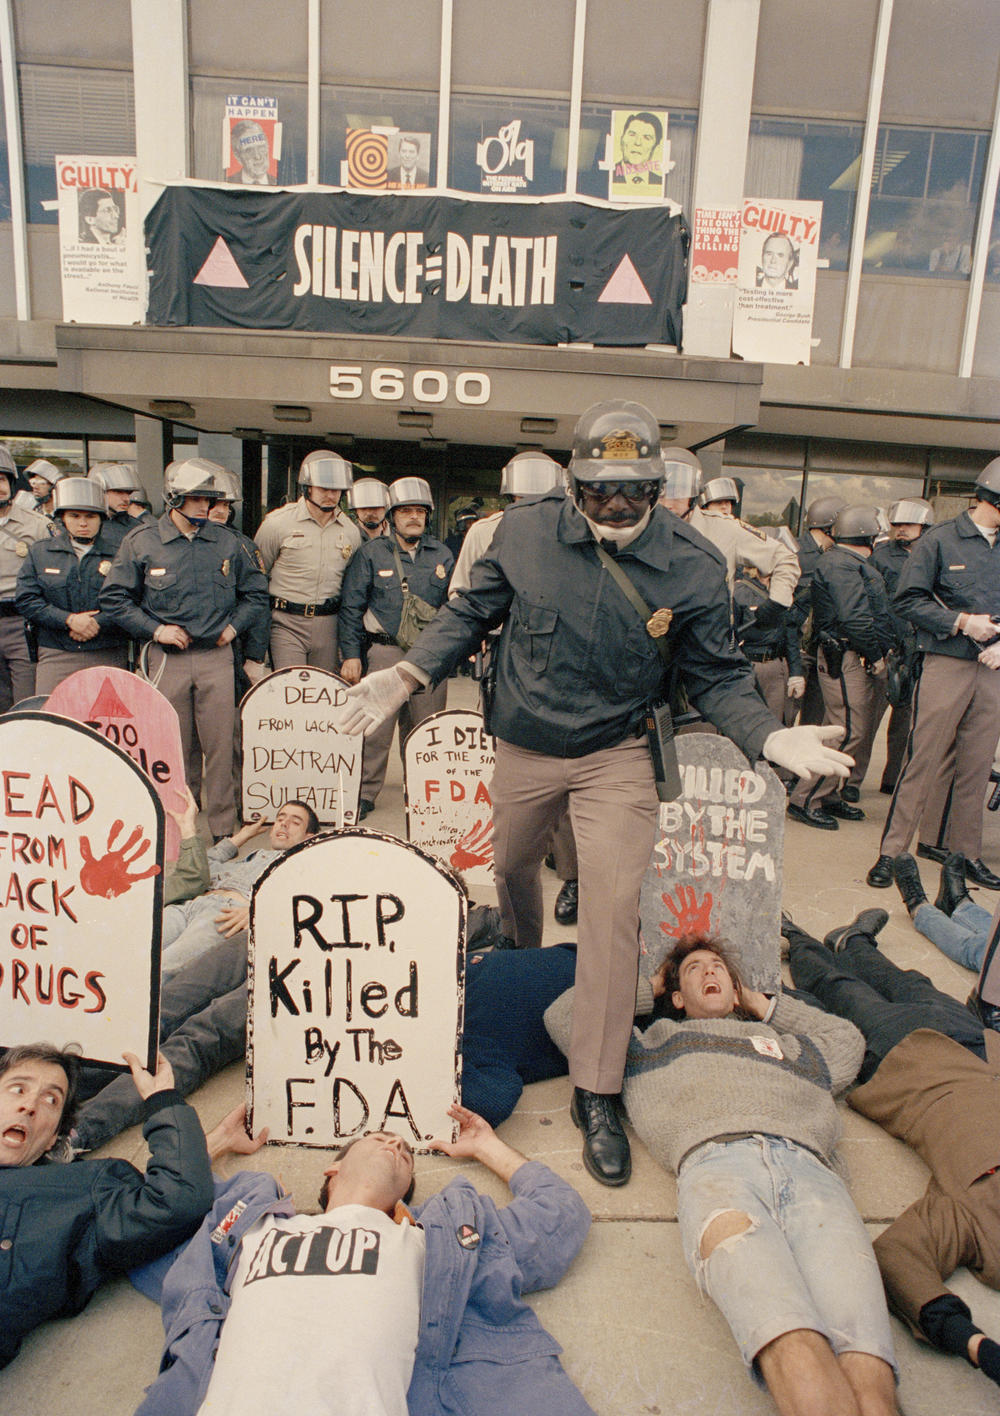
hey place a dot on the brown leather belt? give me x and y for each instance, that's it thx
(288, 607)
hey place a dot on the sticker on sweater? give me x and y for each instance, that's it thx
(467, 1236)
(223, 1227)
(767, 1047)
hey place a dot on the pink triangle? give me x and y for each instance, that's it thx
(624, 287)
(107, 704)
(220, 269)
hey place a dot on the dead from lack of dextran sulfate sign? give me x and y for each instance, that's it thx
(355, 987)
(81, 891)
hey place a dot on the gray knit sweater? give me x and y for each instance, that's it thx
(689, 1082)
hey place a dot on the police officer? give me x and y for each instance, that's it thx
(117, 480)
(682, 481)
(42, 477)
(771, 644)
(305, 548)
(908, 519)
(716, 518)
(527, 474)
(577, 664)
(949, 590)
(815, 539)
(368, 498)
(372, 610)
(188, 586)
(854, 632)
(59, 584)
(19, 529)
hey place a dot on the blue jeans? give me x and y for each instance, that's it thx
(189, 930)
(804, 1262)
(962, 938)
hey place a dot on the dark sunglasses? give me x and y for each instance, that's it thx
(631, 491)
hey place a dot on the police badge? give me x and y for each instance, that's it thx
(659, 623)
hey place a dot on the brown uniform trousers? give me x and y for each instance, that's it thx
(54, 665)
(419, 705)
(301, 639)
(17, 672)
(860, 711)
(956, 705)
(613, 812)
(199, 684)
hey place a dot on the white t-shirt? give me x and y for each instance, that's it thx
(324, 1318)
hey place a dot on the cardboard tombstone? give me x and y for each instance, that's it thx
(716, 863)
(81, 891)
(135, 716)
(448, 762)
(356, 977)
(295, 748)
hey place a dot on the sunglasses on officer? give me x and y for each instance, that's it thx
(631, 491)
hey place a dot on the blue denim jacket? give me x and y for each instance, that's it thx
(481, 1349)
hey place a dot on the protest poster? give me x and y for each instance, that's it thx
(715, 244)
(716, 863)
(776, 280)
(506, 160)
(355, 983)
(81, 891)
(102, 250)
(135, 716)
(295, 747)
(637, 156)
(448, 763)
(251, 140)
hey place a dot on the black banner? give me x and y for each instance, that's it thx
(436, 267)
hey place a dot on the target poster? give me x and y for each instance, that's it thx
(448, 762)
(391, 158)
(251, 141)
(716, 863)
(776, 282)
(81, 891)
(295, 747)
(101, 245)
(135, 716)
(355, 985)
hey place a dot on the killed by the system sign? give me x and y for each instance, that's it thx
(356, 950)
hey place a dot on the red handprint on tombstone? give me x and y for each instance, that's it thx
(474, 848)
(691, 915)
(109, 876)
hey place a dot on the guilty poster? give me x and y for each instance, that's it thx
(776, 280)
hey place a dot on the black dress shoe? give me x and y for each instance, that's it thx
(567, 902)
(987, 1013)
(850, 793)
(606, 1153)
(880, 875)
(365, 808)
(981, 874)
(926, 852)
(952, 891)
(907, 876)
(866, 922)
(834, 806)
(812, 816)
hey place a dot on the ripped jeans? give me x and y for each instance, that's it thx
(803, 1261)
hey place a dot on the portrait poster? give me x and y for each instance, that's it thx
(776, 282)
(715, 245)
(448, 762)
(251, 140)
(102, 257)
(135, 716)
(295, 747)
(639, 155)
(716, 863)
(81, 885)
(408, 160)
(355, 984)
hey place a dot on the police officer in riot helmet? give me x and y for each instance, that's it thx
(42, 477)
(368, 498)
(682, 481)
(118, 481)
(20, 527)
(717, 518)
(59, 585)
(577, 667)
(908, 519)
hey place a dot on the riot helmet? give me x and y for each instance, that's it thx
(530, 474)
(78, 494)
(368, 492)
(616, 444)
(856, 526)
(115, 477)
(728, 489)
(823, 512)
(49, 474)
(682, 476)
(326, 469)
(988, 483)
(193, 477)
(410, 491)
(8, 470)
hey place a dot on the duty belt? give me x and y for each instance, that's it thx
(324, 607)
(8, 610)
(763, 656)
(385, 639)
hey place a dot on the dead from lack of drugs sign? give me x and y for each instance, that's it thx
(81, 891)
(295, 747)
(448, 762)
(134, 716)
(716, 863)
(355, 988)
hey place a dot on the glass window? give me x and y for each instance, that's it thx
(529, 160)
(993, 254)
(861, 488)
(210, 147)
(103, 451)
(811, 161)
(342, 109)
(4, 169)
(770, 494)
(519, 45)
(72, 111)
(925, 188)
(595, 129)
(66, 453)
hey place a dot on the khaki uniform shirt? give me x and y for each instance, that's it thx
(17, 533)
(735, 539)
(305, 562)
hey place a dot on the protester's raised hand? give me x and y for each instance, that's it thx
(230, 1136)
(145, 1083)
(186, 815)
(473, 1134)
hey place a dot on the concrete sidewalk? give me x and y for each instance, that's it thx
(637, 1336)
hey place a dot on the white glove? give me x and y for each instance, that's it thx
(376, 699)
(804, 751)
(254, 670)
(796, 686)
(990, 656)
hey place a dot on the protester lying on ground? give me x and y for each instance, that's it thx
(955, 923)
